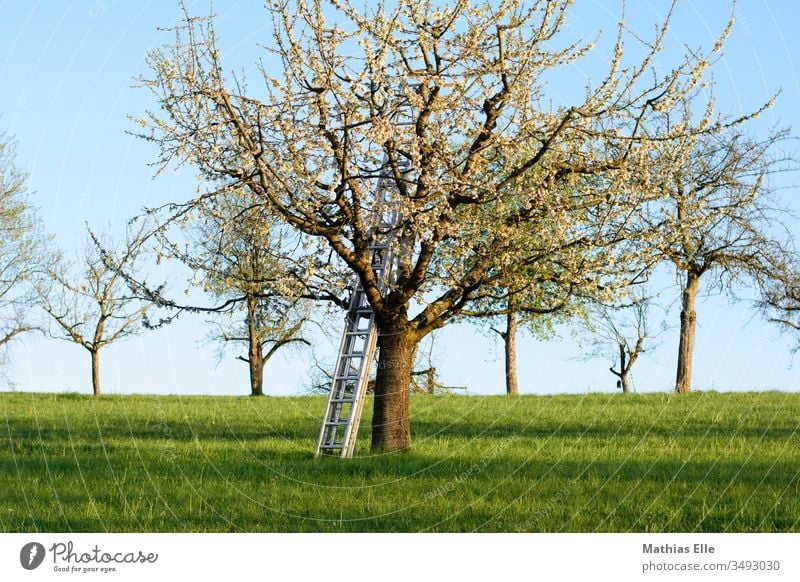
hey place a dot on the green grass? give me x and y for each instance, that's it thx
(698, 462)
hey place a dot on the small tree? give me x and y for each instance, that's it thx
(623, 327)
(714, 217)
(506, 326)
(24, 253)
(94, 309)
(780, 298)
(425, 376)
(267, 327)
(249, 266)
(239, 255)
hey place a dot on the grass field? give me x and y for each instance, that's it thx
(698, 462)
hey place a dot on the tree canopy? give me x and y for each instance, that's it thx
(24, 252)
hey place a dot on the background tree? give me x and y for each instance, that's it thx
(458, 94)
(241, 258)
(24, 252)
(94, 309)
(714, 216)
(539, 322)
(622, 330)
(780, 299)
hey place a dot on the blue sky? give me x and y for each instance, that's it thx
(67, 72)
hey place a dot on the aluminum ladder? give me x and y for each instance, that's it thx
(339, 431)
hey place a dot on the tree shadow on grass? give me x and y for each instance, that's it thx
(416, 492)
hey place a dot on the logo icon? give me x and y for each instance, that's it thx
(31, 555)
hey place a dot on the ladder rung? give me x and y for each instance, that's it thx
(359, 312)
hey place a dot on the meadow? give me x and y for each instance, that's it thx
(712, 462)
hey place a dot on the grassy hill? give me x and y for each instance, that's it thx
(699, 462)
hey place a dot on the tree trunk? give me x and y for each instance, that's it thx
(430, 379)
(255, 353)
(683, 379)
(510, 339)
(390, 421)
(256, 375)
(623, 377)
(95, 371)
(625, 387)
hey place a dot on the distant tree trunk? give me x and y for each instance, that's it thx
(683, 379)
(95, 371)
(623, 378)
(429, 385)
(255, 352)
(414, 353)
(510, 339)
(624, 367)
(256, 374)
(391, 428)
(430, 380)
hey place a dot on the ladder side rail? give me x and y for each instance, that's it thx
(340, 371)
(331, 394)
(351, 430)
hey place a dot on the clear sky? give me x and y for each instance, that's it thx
(67, 72)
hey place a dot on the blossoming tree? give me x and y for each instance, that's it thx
(504, 184)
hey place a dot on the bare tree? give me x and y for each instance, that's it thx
(425, 374)
(24, 252)
(457, 94)
(780, 300)
(92, 307)
(622, 330)
(714, 217)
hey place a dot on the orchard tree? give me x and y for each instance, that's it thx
(24, 253)
(509, 318)
(714, 217)
(780, 300)
(92, 307)
(457, 93)
(624, 330)
(509, 337)
(240, 257)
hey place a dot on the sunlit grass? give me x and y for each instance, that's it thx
(698, 462)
